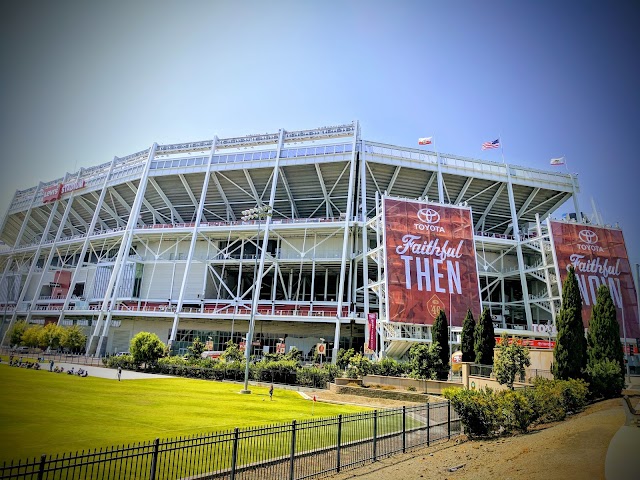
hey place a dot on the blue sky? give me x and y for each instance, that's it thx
(84, 81)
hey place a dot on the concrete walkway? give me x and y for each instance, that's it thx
(623, 461)
(103, 372)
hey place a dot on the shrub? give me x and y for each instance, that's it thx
(389, 367)
(605, 379)
(362, 365)
(516, 412)
(575, 393)
(126, 362)
(16, 332)
(552, 400)
(281, 371)
(316, 377)
(478, 410)
(232, 353)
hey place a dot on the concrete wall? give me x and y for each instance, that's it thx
(434, 387)
(388, 394)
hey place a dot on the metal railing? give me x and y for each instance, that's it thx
(478, 370)
(296, 450)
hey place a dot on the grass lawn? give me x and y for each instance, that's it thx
(41, 412)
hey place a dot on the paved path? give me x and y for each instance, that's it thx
(106, 372)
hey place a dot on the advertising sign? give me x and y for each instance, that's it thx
(51, 194)
(321, 348)
(599, 256)
(430, 262)
(530, 342)
(281, 348)
(372, 320)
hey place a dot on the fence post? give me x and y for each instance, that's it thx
(154, 459)
(293, 450)
(234, 453)
(339, 442)
(404, 429)
(41, 469)
(428, 423)
(449, 419)
(375, 435)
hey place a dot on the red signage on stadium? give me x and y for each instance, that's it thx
(530, 342)
(599, 256)
(51, 194)
(372, 320)
(430, 262)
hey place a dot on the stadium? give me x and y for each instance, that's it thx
(295, 230)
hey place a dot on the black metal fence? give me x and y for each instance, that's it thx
(297, 450)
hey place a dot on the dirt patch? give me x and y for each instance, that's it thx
(570, 450)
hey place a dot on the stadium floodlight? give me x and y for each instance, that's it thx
(259, 213)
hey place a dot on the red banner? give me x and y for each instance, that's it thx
(372, 320)
(430, 262)
(530, 342)
(52, 193)
(599, 256)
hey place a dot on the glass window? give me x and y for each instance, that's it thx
(338, 148)
(256, 155)
(272, 154)
(347, 148)
(183, 162)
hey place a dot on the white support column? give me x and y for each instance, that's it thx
(547, 279)
(365, 240)
(32, 268)
(115, 279)
(7, 267)
(192, 245)
(47, 264)
(87, 240)
(265, 241)
(345, 242)
(521, 265)
(440, 180)
(576, 204)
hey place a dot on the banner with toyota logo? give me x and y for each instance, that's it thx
(430, 262)
(599, 256)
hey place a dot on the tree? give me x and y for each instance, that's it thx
(425, 360)
(344, 356)
(603, 343)
(16, 332)
(31, 336)
(73, 338)
(484, 339)
(510, 362)
(468, 328)
(440, 335)
(196, 349)
(50, 336)
(232, 353)
(146, 348)
(570, 352)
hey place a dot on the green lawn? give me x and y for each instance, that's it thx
(42, 412)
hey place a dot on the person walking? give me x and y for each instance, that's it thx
(271, 392)
(51, 365)
(119, 373)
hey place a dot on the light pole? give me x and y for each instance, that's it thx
(258, 214)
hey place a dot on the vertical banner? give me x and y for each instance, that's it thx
(430, 262)
(599, 256)
(372, 321)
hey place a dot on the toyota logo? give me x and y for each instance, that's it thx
(428, 215)
(587, 236)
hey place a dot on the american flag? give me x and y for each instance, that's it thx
(494, 144)
(425, 141)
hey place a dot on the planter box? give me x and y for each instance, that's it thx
(346, 381)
